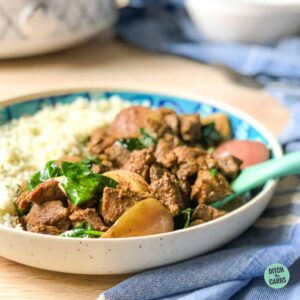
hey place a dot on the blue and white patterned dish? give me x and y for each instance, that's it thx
(126, 255)
(240, 128)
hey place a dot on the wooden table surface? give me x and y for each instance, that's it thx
(114, 64)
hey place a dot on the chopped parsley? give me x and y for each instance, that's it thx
(210, 135)
(213, 172)
(183, 220)
(83, 230)
(144, 141)
(51, 170)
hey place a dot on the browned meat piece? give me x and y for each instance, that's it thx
(116, 201)
(185, 189)
(190, 128)
(156, 172)
(167, 192)
(96, 168)
(139, 162)
(210, 187)
(129, 122)
(196, 222)
(229, 166)
(46, 191)
(100, 140)
(23, 201)
(187, 161)
(207, 213)
(117, 154)
(106, 164)
(170, 118)
(207, 162)
(234, 204)
(88, 215)
(49, 218)
(163, 152)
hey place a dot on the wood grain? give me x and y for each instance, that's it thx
(114, 64)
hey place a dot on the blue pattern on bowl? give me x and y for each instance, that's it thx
(241, 129)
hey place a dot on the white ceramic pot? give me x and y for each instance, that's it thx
(30, 27)
(251, 21)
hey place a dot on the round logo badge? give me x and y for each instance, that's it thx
(277, 276)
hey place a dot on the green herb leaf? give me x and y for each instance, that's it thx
(51, 170)
(211, 150)
(146, 139)
(187, 213)
(82, 233)
(213, 172)
(131, 144)
(83, 230)
(183, 219)
(142, 142)
(210, 135)
(81, 184)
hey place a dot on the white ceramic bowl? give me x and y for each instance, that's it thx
(30, 27)
(125, 255)
(253, 21)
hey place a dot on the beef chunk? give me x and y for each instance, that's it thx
(88, 215)
(210, 187)
(190, 128)
(96, 168)
(106, 165)
(196, 222)
(117, 154)
(207, 213)
(23, 201)
(185, 189)
(234, 204)
(100, 140)
(139, 162)
(167, 192)
(229, 166)
(129, 122)
(170, 118)
(49, 218)
(207, 162)
(163, 152)
(156, 172)
(187, 161)
(116, 201)
(46, 191)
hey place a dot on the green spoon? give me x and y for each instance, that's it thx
(259, 174)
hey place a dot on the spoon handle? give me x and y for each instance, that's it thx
(257, 175)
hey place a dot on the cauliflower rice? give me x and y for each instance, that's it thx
(26, 144)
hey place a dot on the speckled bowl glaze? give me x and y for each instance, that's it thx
(125, 255)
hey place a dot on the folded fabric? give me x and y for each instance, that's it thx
(163, 26)
(236, 270)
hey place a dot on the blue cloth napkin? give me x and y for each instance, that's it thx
(236, 270)
(163, 26)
